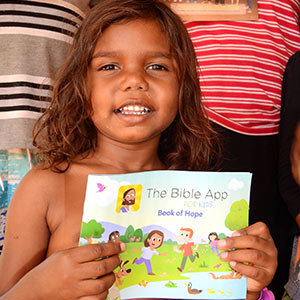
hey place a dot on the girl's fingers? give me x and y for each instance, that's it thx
(249, 241)
(95, 251)
(101, 296)
(253, 272)
(254, 246)
(256, 236)
(251, 256)
(257, 229)
(97, 286)
(99, 268)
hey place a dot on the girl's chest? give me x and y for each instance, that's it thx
(64, 216)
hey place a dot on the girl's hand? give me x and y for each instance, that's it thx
(73, 274)
(254, 256)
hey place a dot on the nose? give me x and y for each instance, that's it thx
(134, 80)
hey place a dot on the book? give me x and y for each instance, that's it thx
(170, 222)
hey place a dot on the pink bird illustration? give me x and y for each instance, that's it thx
(101, 187)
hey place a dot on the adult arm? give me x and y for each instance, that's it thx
(290, 113)
(295, 154)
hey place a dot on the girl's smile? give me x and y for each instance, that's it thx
(133, 83)
(133, 109)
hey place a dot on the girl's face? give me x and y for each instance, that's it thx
(155, 241)
(212, 237)
(132, 83)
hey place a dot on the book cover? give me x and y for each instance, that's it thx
(170, 222)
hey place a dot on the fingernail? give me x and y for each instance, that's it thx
(221, 243)
(123, 246)
(224, 255)
(236, 233)
(232, 264)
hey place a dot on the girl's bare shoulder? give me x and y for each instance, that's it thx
(43, 175)
(39, 184)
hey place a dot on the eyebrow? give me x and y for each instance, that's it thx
(152, 54)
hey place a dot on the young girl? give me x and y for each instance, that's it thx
(127, 100)
(213, 239)
(152, 242)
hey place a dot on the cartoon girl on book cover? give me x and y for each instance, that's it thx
(213, 238)
(152, 242)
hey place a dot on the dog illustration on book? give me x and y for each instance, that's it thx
(122, 272)
(232, 275)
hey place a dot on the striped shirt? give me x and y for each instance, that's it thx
(34, 38)
(241, 65)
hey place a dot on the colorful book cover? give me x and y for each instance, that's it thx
(170, 222)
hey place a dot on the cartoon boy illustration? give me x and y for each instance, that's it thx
(213, 238)
(153, 241)
(114, 236)
(185, 237)
(128, 200)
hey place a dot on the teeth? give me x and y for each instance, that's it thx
(133, 110)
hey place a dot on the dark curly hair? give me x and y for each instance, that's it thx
(66, 130)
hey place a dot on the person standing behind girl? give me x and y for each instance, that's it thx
(34, 39)
(241, 66)
(295, 154)
(126, 100)
(152, 242)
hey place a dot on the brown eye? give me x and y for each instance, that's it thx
(108, 67)
(158, 67)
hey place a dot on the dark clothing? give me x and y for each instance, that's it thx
(290, 115)
(290, 191)
(259, 155)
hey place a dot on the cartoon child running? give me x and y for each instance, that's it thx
(128, 200)
(185, 236)
(213, 238)
(153, 241)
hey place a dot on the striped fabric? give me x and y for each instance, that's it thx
(34, 38)
(241, 66)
